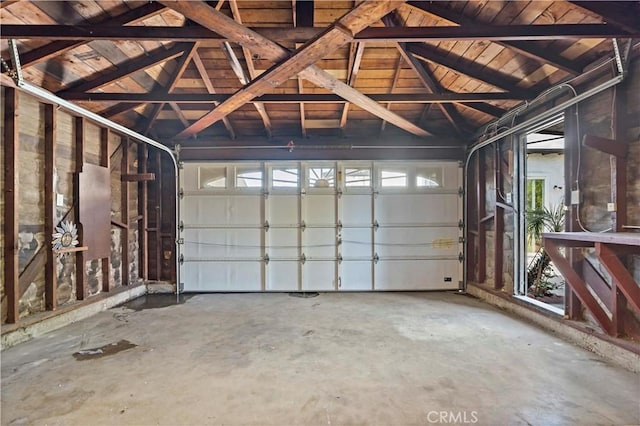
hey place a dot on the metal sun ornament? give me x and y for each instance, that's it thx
(66, 236)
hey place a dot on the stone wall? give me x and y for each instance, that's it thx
(31, 204)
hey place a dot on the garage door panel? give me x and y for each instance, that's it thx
(283, 210)
(416, 241)
(319, 209)
(355, 275)
(283, 243)
(416, 208)
(356, 210)
(318, 276)
(219, 210)
(282, 276)
(319, 242)
(222, 243)
(416, 275)
(223, 276)
(356, 242)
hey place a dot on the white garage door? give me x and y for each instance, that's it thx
(321, 226)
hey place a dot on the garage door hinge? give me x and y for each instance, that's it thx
(460, 257)
(181, 193)
(303, 225)
(461, 224)
(180, 240)
(461, 240)
(339, 225)
(339, 259)
(266, 226)
(303, 259)
(376, 258)
(460, 192)
(266, 259)
(266, 194)
(375, 195)
(181, 260)
(181, 226)
(376, 225)
(339, 192)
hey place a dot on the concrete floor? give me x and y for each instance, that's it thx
(385, 358)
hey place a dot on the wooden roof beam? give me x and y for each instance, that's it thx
(355, 58)
(469, 68)
(262, 111)
(303, 15)
(48, 50)
(624, 14)
(119, 109)
(525, 48)
(396, 77)
(127, 68)
(181, 66)
(197, 61)
(506, 35)
(159, 96)
(356, 20)
(427, 79)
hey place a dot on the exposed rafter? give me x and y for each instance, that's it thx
(525, 48)
(355, 58)
(623, 14)
(119, 108)
(303, 15)
(354, 21)
(132, 66)
(396, 77)
(197, 61)
(57, 47)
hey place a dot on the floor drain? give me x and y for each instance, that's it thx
(304, 294)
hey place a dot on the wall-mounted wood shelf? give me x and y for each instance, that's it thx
(140, 177)
(71, 250)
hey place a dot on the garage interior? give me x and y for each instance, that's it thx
(309, 211)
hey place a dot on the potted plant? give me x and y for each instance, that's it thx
(540, 274)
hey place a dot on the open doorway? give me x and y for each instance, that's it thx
(544, 207)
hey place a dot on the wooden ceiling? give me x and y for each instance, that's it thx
(205, 72)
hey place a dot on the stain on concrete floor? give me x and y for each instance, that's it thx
(154, 301)
(103, 351)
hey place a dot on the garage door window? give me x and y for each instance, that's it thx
(429, 177)
(249, 178)
(212, 177)
(360, 177)
(322, 177)
(285, 177)
(393, 178)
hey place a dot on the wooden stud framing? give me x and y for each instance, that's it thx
(142, 211)
(50, 271)
(11, 222)
(81, 264)
(498, 228)
(105, 161)
(124, 210)
(480, 215)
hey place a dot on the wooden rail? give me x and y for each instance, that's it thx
(609, 305)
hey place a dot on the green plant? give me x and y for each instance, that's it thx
(539, 271)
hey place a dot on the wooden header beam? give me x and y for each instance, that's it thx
(86, 33)
(314, 98)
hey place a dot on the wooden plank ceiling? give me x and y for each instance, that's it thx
(207, 72)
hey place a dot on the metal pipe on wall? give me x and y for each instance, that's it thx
(527, 124)
(49, 97)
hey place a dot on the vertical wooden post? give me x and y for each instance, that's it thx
(143, 240)
(498, 238)
(11, 222)
(105, 162)
(81, 264)
(572, 304)
(124, 199)
(619, 164)
(159, 217)
(50, 272)
(482, 212)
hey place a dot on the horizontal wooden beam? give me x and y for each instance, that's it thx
(396, 98)
(620, 275)
(624, 14)
(608, 146)
(303, 34)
